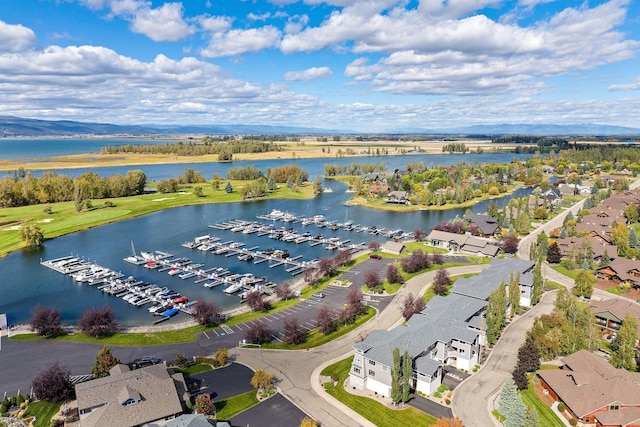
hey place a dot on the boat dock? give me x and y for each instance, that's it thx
(110, 282)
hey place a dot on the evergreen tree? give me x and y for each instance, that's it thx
(605, 259)
(553, 254)
(633, 239)
(229, 188)
(396, 391)
(532, 418)
(271, 183)
(407, 374)
(623, 345)
(543, 245)
(510, 405)
(567, 218)
(529, 356)
(538, 284)
(496, 313)
(563, 233)
(105, 360)
(519, 376)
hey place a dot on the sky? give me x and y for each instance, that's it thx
(349, 65)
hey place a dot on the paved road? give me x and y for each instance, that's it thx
(298, 372)
(471, 397)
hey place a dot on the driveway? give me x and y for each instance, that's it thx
(430, 407)
(224, 382)
(472, 399)
(276, 411)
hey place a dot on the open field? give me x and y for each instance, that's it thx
(305, 149)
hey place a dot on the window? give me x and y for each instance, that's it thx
(385, 368)
(614, 407)
(461, 351)
(372, 363)
(356, 370)
(372, 373)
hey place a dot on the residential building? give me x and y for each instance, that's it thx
(463, 243)
(621, 270)
(399, 197)
(610, 314)
(593, 391)
(448, 333)
(131, 397)
(486, 225)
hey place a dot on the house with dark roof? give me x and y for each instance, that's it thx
(621, 270)
(486, 225)
(449, 332)
(593, 391)
(131, 397)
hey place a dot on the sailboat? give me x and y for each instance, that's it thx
(134, 258)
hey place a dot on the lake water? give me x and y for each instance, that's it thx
(25, 283)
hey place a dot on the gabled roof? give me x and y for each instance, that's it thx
(588, 383)
(446, 236)
(152, 394)
(618, 308)
(486, 223)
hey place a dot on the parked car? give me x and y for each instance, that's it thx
(144, 361)
(318, 295)
(375, 256)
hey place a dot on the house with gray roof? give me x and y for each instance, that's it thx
(463, 243)
(131, 397)
(449, 332)
(486, 224)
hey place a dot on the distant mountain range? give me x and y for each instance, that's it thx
(15, 126)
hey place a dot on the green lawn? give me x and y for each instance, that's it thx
(546, 416)
(43, 411)
(370, 409)
(228, 408)
(552, 285)
(194, 369)
(316, 338)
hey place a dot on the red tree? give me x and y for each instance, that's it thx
(205, 312)
(53, 384)
(293, 332)
(98, 322)
(393, 274)
(441, 282)
(258, 333)
(325, 320)
(46, 321)
(372, 279)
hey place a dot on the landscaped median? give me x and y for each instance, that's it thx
(373, 411)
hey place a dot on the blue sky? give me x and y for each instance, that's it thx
(360, 65)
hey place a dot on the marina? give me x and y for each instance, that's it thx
(165, 302)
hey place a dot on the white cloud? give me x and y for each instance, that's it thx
(262, 17)
(215, 24)
(308, 74)
(14, 38)
(237, 42)
(164, 23)
(635, 85)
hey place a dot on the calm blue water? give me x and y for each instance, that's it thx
(41, 148)
(26, 284)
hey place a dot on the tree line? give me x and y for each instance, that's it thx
(24, 189)
(208, 146)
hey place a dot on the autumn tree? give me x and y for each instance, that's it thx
(31, 235)
(105, 360)
(53, 384)
(293, 332)
(256, 301)
(204, 405)
(394, 275)
(374, 245)
(355, 301)
(285, 291)
(205, 312)
(623, 346)
(308, 422)
(509, 245)
(583, 284)
(258, 333)
(221, 357)
(46, 321)
(325, 320)
(372, 279)
(98, 322)
(419, 235)
(262, 380)
(412, 305)
(327, 267)
(441, 282)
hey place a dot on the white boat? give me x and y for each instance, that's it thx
(233, 288)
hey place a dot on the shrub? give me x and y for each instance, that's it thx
(53, 384)
(181, 360)
(561, 407)
(573, 422)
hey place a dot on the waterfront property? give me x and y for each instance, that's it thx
(463, 243)
(593, 391)
(132, 398)
(449, 332)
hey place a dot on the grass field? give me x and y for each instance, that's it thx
(228, 408)
(546, 416)
(370, 409)
(43, 411)
(560, 268)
